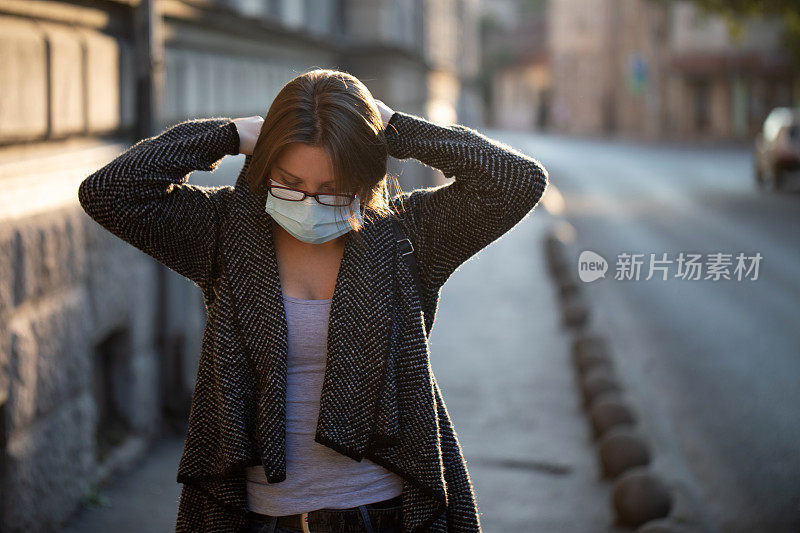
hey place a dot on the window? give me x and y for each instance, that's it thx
(702, 113)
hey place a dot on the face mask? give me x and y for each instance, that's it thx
(309, 220)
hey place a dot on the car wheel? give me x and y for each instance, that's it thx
(769, 180)
(759, 177)
(777, 180)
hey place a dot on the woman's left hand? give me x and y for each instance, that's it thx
(386, 112)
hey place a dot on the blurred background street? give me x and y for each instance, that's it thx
(713, 363)
(667, 127)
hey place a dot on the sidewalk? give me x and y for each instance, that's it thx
(502, 363)
(143, 499)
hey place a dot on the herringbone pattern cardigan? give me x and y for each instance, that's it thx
(380, 399)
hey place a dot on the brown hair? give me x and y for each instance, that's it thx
(333, 110)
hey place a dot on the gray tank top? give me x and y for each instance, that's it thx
(316, 476)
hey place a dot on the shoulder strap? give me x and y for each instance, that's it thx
(407, 252)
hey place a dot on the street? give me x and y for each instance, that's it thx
(712, 366)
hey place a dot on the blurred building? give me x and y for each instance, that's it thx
(516, 64)
(662, 70)
(720, 87)
(98, 342)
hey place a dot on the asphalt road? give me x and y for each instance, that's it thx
(712, 366)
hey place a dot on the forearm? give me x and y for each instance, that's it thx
(143, 197)
(148, 169)
(495, 187)
(507, 181)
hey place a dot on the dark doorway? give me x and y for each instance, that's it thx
(110, 385)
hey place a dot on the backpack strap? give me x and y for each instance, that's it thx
(407, 253)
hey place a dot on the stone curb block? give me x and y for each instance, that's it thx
(567, 284)
(574, 311)
(662, 525)
(639, 496)
(620, 450)
(556, 253)
(597, 381)
(590, 349)
(608, 411)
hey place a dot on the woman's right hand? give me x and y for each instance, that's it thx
(386, 112)
(249, 129)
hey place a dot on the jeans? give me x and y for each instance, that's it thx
(258, 526)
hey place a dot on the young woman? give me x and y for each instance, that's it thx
(315, 406)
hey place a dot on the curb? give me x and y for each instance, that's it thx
(641, 500)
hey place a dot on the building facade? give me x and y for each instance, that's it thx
(658, 70)
(516, 65)
(98, 342)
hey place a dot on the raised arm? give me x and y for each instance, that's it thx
(495, 187)
(143, 197)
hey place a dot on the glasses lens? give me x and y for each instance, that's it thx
(335, 200)
(286, 194)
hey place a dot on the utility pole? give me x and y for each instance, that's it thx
(149, 41)
(149, 38)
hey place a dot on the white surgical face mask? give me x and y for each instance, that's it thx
(309, 220)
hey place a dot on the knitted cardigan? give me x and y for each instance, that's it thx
(380, 399)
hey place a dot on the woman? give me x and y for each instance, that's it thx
(315, 407)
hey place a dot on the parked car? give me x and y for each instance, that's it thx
(777, 148)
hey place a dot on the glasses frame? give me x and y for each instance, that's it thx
(316, 196)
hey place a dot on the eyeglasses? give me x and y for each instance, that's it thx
(297, 195)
